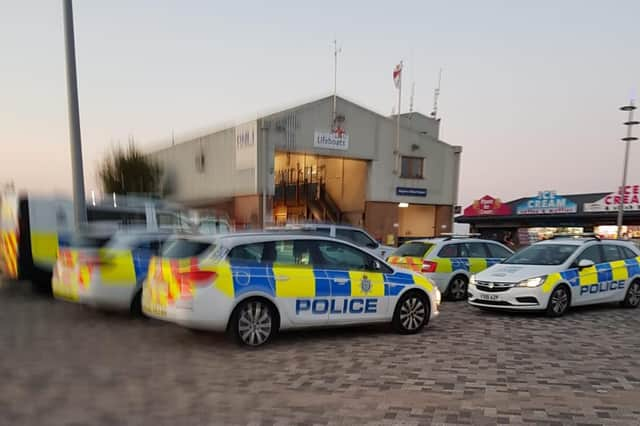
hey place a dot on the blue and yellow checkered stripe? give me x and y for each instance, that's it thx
(471, 265)
(286, 281)
(620, 270)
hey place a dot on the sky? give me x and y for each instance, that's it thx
(531, 90)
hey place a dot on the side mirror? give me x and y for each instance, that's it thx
(585, 263)
(372, 245)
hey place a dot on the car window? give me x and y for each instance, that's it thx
(340, 256)
(248, 253)
(180, 249)
(474, 250)
(356, 237)
(497, 251)
(612, 253)
(412, 249)
(542, 254)
(450, 250)
(628, 253)
(295, 252)
(591, 253)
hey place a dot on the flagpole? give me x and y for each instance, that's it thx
(398, 121)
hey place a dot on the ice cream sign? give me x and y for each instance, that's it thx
(547, 202)
(630, 197)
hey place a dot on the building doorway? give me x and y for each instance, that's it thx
(315, 188)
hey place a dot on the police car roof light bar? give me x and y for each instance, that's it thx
(452, 235)
(586, 235)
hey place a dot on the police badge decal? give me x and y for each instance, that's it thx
(365, 284)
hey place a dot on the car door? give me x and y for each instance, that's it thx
(588, 290)
(356, 281)
(615, 288)
(301, 292)
(476, 254)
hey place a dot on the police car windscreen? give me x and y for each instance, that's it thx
(543, 254)
(413, 249)
(181, 249)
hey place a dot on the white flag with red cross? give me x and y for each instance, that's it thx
(397, 75)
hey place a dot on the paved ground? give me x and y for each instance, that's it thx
(65, 364)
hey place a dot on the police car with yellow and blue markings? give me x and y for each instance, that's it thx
(556, 274)
(253, 285)
(449, 260)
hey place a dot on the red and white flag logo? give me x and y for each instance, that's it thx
(397, 74)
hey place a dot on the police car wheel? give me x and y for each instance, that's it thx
(558, 301)
(632, 299)
(254, 323)
(411, 314)
(457, 289)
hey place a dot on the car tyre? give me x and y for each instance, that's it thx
(254, 323)
(559, 301)
(412, 313)
(457, 288)
(632, 299)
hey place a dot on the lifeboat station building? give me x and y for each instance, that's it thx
(311, 163)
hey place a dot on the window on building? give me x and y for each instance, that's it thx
(412, 167)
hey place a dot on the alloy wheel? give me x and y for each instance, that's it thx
(255, 323)
(412, 313)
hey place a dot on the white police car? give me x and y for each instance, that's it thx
(556, 274)
(253, 285)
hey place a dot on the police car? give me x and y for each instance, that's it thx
(449, 260)
(556, 274)
(107, 273)
(253, 285)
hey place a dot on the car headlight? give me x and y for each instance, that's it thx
(532, 282)
(472, 280)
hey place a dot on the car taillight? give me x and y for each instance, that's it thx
(429, 266)
(197, 278)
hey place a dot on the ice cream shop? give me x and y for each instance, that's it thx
(539, 216)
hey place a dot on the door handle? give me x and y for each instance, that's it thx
(341, 281)
(282, 278)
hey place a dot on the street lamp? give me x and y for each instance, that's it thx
(629, 123)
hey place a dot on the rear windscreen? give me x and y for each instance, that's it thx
(180, 249)
(84, 241)
(413, 249)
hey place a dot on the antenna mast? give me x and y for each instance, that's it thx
(413, 92)
(436, 95)
(336, 50)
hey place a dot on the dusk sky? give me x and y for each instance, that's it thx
(531, 90)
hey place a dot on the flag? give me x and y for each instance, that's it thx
(397, 75)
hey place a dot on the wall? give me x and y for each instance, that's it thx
(417, 221)
(218, 179)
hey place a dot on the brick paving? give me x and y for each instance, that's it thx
(64, 364)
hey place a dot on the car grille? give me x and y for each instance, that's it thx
(492, 302)
(493, 287)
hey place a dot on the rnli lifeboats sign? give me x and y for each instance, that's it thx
(547, 202)
(630, 197)
(339, 141)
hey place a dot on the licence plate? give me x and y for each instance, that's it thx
(488, 296)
